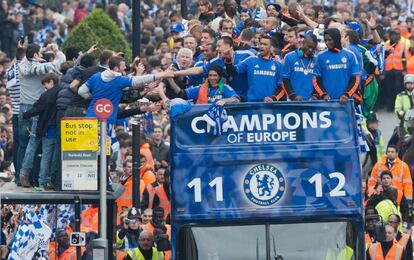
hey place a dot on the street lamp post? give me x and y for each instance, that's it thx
(136, 176)
(136, 28)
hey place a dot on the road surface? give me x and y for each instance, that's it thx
(387, 123)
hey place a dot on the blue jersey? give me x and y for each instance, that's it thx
(358, 54)
(216, 61)
(336, 69)
(195, 80)
(264, 77)
(299, 70)
(213, 93)
(199, 57)
(111, 90)
(238, 82)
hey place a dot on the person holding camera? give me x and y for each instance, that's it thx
(145, 250)
(127, 236)
(160, 231)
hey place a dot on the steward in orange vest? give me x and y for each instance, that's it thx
(161, 177)
(389, 249)
(125, 200)
(394, 252)
(396, 59)
(401, 176)
(402, 238)
(89, 219)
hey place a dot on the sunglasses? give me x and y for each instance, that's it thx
(133, 221)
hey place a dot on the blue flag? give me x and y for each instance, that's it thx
(216, 118)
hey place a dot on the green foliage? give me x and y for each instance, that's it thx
(99, 28)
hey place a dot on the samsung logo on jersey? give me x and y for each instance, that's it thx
(266, 122)
(337, 66)
(264, 73)
(300, 69)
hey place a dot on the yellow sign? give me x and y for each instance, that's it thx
(79, 134)
(108, 146)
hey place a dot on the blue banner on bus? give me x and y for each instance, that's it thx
(272, 160)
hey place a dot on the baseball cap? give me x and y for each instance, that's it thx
(177, 28)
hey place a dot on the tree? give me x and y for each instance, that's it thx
(99, 28)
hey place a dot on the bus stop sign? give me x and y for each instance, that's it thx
(103, 108)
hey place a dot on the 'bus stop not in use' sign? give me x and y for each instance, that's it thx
(79, 137)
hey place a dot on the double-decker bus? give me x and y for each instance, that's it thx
(282, 181)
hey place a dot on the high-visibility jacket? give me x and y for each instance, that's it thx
(345, 254)
(151, 194)
(409, 63)
(399, 195)
(125, 200)
(68, 254)
(404, 240)
(368, 241)
(164, 201)
(52, 254)
(120, 254)
(394, 61)
(147, 175)
(89, 220)
(378, 141)
(403, 104)
(386, 208)
(146, 151)
(379, 145)
(401, 176)
(150, 228)
(395, 252)
(126, 242)
(137, 255)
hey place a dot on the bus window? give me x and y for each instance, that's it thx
(320, 240)
(219, 243)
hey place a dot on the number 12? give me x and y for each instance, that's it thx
(336, 192)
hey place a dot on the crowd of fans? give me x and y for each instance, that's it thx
(224, 52)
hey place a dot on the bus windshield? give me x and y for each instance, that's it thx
(325, 240)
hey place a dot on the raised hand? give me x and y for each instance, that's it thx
(93, 48)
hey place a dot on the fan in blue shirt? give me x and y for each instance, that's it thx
(110, 84)
(297, 70)
(337, 73)
(263, 74)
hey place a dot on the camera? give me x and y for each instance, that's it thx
(77, 239)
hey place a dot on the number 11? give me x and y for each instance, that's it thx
(196, 183)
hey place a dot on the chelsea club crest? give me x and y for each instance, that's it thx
(264, 185)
